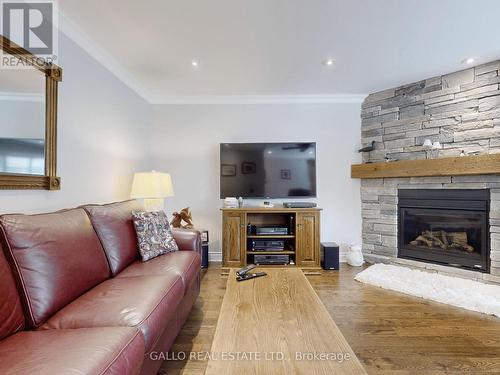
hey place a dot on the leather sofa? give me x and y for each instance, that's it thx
(75, 298)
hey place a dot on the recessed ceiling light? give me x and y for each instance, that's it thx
(329, 62)
(194, 63)
(468, 61)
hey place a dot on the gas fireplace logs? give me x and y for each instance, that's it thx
(444, 240)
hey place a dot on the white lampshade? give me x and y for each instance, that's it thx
(152, 185)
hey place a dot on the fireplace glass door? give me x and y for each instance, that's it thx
(451, 232)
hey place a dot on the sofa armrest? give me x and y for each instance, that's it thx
(187, 239)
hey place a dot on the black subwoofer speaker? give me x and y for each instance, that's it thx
(330, 256)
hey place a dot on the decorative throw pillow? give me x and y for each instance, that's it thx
(153, 234)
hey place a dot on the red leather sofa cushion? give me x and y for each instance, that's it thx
(11, 311)
(97, 351)
(146, 303)
(114, 226)
(55, 257)
(186, 264)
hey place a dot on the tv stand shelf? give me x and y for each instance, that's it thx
(272, 236)
(302, 243)
(285, 252)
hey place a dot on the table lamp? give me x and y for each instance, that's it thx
(153, 187)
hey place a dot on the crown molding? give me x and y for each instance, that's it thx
(260, 99)
(75, 33)
(22, 96)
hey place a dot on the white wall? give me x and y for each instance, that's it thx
(106, 132)
(185, 143)
(102, 138)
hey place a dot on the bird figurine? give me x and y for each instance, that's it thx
(368, 148)
(179, 217)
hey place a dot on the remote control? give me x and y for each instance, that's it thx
(248, 276)
(244, 270)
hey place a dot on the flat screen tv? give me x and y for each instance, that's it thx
(268, 170)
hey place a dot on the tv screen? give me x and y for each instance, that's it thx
(267, 170)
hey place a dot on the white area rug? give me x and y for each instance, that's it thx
(468, 294)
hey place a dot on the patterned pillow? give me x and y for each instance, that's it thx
(153, 234)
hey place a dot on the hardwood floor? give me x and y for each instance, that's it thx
(279, 313)
(391, 333)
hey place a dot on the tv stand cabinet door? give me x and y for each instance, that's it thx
(308, 241)
(233, 239)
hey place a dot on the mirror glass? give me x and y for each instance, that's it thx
(22, 121)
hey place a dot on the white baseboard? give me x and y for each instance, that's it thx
(215, 257)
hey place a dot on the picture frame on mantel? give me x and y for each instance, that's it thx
(52, 75)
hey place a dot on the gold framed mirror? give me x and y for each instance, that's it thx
(28, 121)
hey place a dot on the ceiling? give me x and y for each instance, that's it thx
(276, 47)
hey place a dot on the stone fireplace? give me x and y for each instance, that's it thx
(461, 111)
(448, 227)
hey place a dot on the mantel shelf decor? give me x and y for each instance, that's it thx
(455, 166)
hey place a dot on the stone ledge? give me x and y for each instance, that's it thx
(461, 110)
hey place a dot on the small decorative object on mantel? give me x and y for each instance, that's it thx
(388, 159)
(368, 148)
(179, 217)
(470, 153)
(432, 147)
(427, 143)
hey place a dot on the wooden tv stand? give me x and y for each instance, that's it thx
(302, 241)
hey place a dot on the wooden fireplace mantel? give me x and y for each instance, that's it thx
(456, 166)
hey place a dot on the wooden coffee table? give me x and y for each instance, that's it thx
(278, 325)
